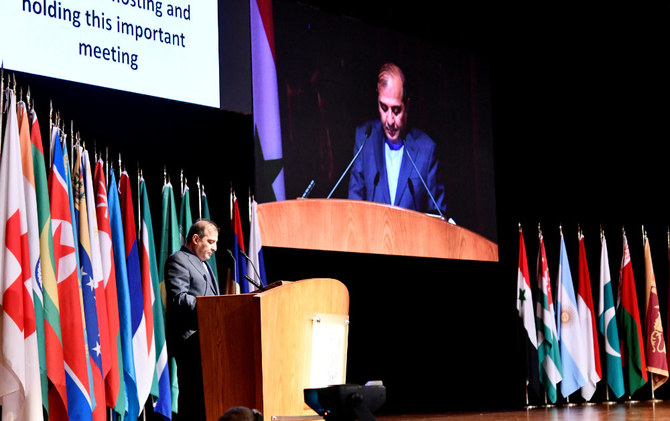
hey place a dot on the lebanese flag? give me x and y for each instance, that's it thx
(628, 315)
(20, 389)
(587, 321)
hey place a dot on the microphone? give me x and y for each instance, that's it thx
(368, 131)
(254, 283)
(234, 263)
(308, 190)
(425, 186)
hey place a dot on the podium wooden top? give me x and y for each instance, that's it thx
(366, 227)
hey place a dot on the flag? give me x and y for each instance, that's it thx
(30, 197)
(53, 343)
(256, 264)
(170, 243)
(161, 389)
(607, 325)
(69, 294)
(185, 219)
(123, 299)
(267, 126)
(20, 388)
(628, 315)
(570, 334)
(114, 387)
(89, 283)
(524, 305)
(657, 363)
(548, 354)
(144, 345)
(205, 214)
(240, 270)
(587, 323)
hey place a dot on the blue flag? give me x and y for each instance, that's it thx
(123, 294)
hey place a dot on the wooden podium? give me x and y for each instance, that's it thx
(367, 227)
(257, 348)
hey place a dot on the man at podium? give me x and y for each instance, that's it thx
(397, 165)
(187, 276)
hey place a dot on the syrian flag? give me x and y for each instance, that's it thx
(587, 321)
(114, 386)
(657, 364)
(628, 315)
(548, 354)
(144, 345)
(267, 125)
(607, 325)
(161, 388)
(20, 389)
(570, 334)
(524, 305)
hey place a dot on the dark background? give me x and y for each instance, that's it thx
(579, 109)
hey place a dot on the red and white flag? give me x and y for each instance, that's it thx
(20, 389)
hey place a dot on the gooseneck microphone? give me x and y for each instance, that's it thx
(425, 186)
(308, 190)
(253, 282)
(368, 131)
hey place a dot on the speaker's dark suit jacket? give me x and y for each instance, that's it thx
(368, 180)
(186, 278)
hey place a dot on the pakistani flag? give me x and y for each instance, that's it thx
(607, 325)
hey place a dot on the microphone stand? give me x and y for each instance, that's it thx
(368, 130)
(425, 186)
(248, 278)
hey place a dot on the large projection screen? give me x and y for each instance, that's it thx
(327, 69)
(167, 49)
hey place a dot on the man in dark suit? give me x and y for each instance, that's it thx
(384, 172)
(187, 276)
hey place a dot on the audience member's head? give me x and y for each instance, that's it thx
(237, 413)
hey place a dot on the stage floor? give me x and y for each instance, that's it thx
(642, 410)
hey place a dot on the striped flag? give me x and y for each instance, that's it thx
(53, 343)
(144, 345)
(524, 305)
(548, 353)
(69, 294)
(256, 265)
(170, 243)
(587, 322)
(628, 315)
(20, 389)
(241, 284)
(162, 402)
(123, 299)
(30, 197)
(267, 126)
(657, 363)
(114, 387)
(89, 283)
(607, 325)
(570, 335)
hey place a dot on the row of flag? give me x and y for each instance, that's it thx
(82, 302)
(570, 344)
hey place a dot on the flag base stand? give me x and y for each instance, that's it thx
(609, 403)
(589, 403)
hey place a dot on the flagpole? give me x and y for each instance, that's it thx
(139, 208)
(197, 183)
(2, 99)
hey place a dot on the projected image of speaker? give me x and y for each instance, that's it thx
(347, 402)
